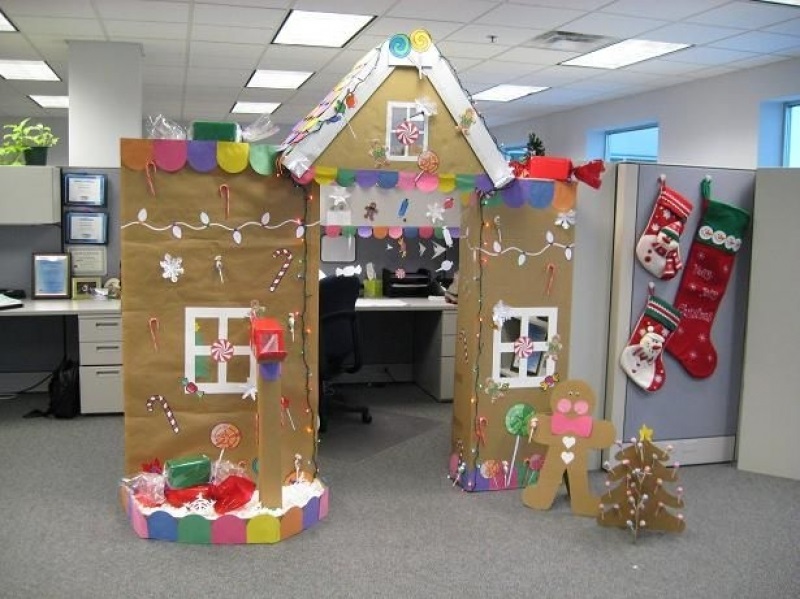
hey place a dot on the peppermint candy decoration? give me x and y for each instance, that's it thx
(221, 350)
(407, 133)
(523, 347)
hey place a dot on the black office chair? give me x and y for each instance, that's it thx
(339, 347)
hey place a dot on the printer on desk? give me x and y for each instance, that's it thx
(420, 283)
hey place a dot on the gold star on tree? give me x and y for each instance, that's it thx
(645, 433)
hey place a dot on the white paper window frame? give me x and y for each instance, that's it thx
(192, 351)
(522, 379)
(411, 109)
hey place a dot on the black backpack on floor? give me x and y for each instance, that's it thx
(64, 392)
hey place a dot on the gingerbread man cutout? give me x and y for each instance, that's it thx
(568, 433)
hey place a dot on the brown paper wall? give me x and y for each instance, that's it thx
(481, 440)
(350, 149)
(160, 337)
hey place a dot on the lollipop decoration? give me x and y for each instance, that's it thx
(518, 420)
(285, 410)
(523, 347)
(225, 436)
(420, 40)
(400, 45)
(221, 350)
(407, 133)
(428, 162)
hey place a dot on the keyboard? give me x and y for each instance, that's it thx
(7, 303)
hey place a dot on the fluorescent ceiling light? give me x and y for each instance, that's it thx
(328, 29)
(51, 101)
(506, 93)
(34, 70)
(278, 79)
(5, 24)
(624, 53)
(255, 107)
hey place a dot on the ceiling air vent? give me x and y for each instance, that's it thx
(570, 41)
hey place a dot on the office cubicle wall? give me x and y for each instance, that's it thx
(769, 442)
(699, 417)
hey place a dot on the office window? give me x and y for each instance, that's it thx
(406, 130)
(636, 145)
(791, 138)
(521, 346)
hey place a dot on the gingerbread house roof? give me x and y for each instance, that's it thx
(312, 135)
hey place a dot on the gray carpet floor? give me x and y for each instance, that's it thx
(396, 527)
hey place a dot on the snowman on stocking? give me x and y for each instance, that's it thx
(658, 249)
(642, 357)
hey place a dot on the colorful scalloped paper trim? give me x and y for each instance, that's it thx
(226, 530)
(233, 157)
(381, 232)
(473, 480)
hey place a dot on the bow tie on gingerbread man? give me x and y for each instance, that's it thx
(569, 433)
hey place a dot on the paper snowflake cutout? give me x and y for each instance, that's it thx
(339, 197)
(565, 220)
(172, 267)
(435, 213)
(500, 313)
(250, 390)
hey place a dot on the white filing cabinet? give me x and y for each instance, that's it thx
(434, 352)
(101, 363)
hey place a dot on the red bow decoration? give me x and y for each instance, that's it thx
(153, 467)
(590, 173)
(231, 494)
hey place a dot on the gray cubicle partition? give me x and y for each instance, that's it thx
(699, 417)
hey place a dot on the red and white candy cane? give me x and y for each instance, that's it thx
(154, 328)
(173, 423)
(225, 194)
(149, 173)
(287, 254)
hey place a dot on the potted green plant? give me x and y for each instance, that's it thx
(26, 144)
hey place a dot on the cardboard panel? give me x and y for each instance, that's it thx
(186, 391)
(515, 289)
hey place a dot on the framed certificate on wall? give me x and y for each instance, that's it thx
(84, 190)
(51, 276)
(86, 227)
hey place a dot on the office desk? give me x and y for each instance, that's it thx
(100, 343)
(433, 342)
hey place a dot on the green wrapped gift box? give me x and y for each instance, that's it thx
(187, 472)
(214, 131)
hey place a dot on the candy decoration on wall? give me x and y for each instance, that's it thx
(155, 326)
(658, 249)
(550, 275)
(428, 162)
(401, 211)
(170, 416)
(517, 422)
(466, 120)
(221, 350)
(285, 410)
(225, 436)
(290, 322)
(287, 260)
(400, 273)
(420, 40)
(407, 133)
(225, 194)
(549, 381)
(150, 173)
(379, 154)
(218, 268)
(172, 267)
(400, 45)
(462, 336)
(523, 347)
(191, 388)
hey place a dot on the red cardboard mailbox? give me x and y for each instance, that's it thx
(266, 340)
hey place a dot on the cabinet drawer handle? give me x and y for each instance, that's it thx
(107, 347)
(107, 372)
(106, 324)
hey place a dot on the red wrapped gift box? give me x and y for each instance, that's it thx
(547, 167)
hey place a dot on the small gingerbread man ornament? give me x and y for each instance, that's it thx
(569, 433)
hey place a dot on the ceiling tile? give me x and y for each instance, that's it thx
(707, 56)
(746, 15)
(757, 41)
(658, 66)
(691, 33)
(143, 10)
(618, 26)
(15, 47)
(214, 55)
(388, 26)
(145, 30)
(536, 56)
(222, 77)
(162, 75)
(462, 11)
(506, 36)
(524, 16)
(587, 5)
(558, 75)
(255, 3)
(65, 28)
(483, 49)
(791, 27)
(237, 16)
(673, 10)
(243, 35)
(48, 8)
(301, 59)
(358, 7)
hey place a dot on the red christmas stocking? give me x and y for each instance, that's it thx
(658, 249)
(703, 285)
(642, 358)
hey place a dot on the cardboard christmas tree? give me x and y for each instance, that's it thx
(641, 499)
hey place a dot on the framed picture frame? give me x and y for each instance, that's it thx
(82, 189)
(86, 227)
(88, 260)
(82, 287)
(51, 276)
